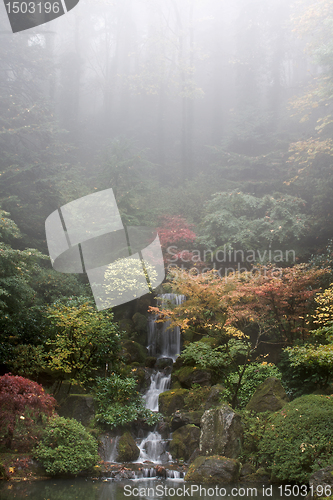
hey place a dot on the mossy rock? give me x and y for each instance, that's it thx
(269, 396)
(170, 401)
(184, 441)
(196, 398)
(133, 351)
(213, 470)
(180, 419)
(260, 477)
(214, 396)
(140, 322)
(189, 375)
(221, 432)
(78, 406)
(127, 449)
(150, 361)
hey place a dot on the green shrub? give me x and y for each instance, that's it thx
(203, 355)
(66, 447)
(254, 425)
(119, 403)
(298, 439)
(303, 378)
(255, 374)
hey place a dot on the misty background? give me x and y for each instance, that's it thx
(167, 102)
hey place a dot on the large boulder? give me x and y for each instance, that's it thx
(189, 375)
(170, 401)
(213, 470)
(127, 449)
(180, 418)
(214, 396)
(323, 478)
(221, 432)
(184, 441)
(269, 396)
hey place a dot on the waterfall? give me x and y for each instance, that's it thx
(113, 449)
(159, 382)
(174, 474)
(163, 341)
(152, 449)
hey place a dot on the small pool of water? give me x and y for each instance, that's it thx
(143, 489)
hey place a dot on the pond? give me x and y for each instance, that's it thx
(150, 489)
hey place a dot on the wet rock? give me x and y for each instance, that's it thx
(247, 469)
(162, 363)
(323, 477)
(189, 375)
(127, 449)
(269, 396)
(150, 361)
(194, 455)
(184, 441)
(221, 432)
(119, 475)
(214, 470)
(214, 396)
(184, 418)
(170, 401)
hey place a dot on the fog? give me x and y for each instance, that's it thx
(167, 102)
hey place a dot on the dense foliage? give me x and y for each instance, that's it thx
(22, 403)
(119, 403)
(298, 438)
(66, 447)
(82, 339)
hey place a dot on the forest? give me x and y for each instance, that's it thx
(211, 121)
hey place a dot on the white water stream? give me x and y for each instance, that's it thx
(163, 342)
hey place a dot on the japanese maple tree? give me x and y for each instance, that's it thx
(276, 300)
(24, 401)
(175, 234)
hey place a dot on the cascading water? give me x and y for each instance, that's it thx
(163, 342)
(159, 382)
(113, 449)
(153, 449)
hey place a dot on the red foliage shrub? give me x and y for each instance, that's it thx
(23, 401)
(174, 229)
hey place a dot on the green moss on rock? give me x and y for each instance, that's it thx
(214, 470)
(127, 449)
(269, 396)
(170, 401)
(189, 375)
(184, 441)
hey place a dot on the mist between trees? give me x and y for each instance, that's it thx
(209, 120)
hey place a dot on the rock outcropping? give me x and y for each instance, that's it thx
(221, 432)
(213, 470)
(269, 396)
